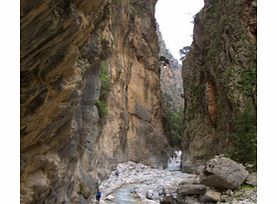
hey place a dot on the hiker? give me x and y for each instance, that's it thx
(98, 195)
(174, 155)
(116, 173)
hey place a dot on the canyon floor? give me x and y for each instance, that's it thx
(140, 184)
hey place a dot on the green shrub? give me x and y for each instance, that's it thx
(173, 128)
(102, 108)
(244, 138)
(245, 187)
(248, 82)
(105, 80)
(101, 104)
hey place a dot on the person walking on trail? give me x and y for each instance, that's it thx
(98, 195)
(116, 173)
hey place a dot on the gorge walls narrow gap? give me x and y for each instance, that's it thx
(175, 28)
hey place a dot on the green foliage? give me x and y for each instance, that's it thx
(104, 91)
(248, 76)
(174, 126)
(173, 120)
(248, 82)
(102, 108)
(244, 138)
(245, 187)
(105, 80)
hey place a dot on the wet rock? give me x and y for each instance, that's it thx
(224, 173)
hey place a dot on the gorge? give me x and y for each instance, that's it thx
(91, 95)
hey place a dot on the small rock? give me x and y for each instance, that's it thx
(110, 197)
(213, 195)
(168, 200)
(191, 189)
(229, 192)
(223, 198)
(151, 195)
(191, 200)
(252, 179)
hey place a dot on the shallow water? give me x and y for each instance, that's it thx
(125, 195)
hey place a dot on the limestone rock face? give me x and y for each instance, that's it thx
(171, 77)
(219, 75)
(224, 173)
(66, 140)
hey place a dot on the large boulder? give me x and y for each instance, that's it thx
(223, 173)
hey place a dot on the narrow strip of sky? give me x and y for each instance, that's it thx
(175, 18)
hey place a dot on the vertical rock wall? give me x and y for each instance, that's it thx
(219, 77)
(79, 58)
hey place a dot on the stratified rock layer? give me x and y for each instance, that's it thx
(219, 77)
(65, 47)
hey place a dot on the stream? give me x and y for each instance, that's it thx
(141, 184)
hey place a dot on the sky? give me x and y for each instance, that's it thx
(175, 18)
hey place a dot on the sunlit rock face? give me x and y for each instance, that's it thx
(219, 77)
(66, 140)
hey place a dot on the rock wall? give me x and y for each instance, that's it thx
(90, 94)
(219, 76)
(171, 76)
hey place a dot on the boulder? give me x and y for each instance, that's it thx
(211, 196)
(252, 179)
(223, 173)
(191, 189)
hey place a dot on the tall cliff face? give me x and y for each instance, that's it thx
(90, 94)
(171, 76)
(172, 94)
(219, 76)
